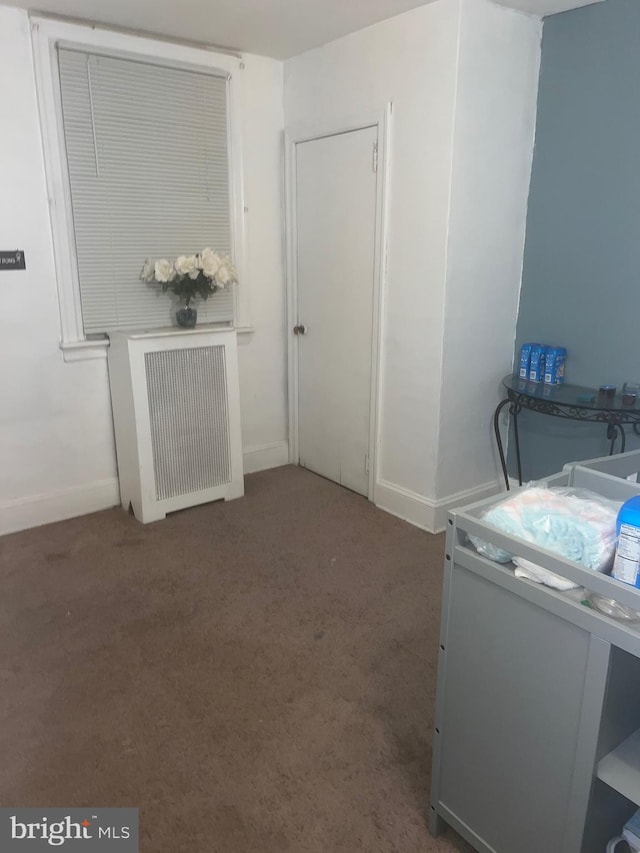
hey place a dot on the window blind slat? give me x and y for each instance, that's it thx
(148, 168)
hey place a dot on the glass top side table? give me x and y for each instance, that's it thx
(572, 402)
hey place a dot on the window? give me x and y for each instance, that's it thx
(147, 161)
(142, 161)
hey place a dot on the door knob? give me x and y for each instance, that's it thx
(300, 330)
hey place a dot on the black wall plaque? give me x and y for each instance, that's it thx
(12, 260)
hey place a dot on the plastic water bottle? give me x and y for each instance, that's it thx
(626, 566)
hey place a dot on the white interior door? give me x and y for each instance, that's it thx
(336, 191)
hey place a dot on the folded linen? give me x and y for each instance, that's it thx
(538, 574)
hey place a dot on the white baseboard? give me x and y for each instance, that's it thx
(405, 504)
(426, 513)
(35, 510)
(265, 456)
(445, 505)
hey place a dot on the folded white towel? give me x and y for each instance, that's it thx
(533, 572)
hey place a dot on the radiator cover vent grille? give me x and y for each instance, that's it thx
(188, 408)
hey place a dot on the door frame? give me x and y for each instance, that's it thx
(293, 136)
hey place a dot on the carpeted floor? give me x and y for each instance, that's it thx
(254, 676)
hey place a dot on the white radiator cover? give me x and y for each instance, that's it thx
(176, 413)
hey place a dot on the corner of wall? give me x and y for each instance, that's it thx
(436, 466)
(265, 456)
(497, 71)
(429, 515)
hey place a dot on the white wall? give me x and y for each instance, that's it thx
(263, 354)
(462, 76)
(57, 454)
(493, 148)
(409, 60)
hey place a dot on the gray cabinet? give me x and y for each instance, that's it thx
(538, 701)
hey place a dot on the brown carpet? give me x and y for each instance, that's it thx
(254, 676)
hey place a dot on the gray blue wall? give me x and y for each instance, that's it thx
(581, 277)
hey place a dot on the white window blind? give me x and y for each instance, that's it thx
(147, 153)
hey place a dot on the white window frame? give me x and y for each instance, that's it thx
(46, 34)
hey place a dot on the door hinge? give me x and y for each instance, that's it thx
(374, 164)
(366, 463)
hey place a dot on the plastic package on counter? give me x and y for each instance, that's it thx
(574, 523)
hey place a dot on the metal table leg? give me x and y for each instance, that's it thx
(513, 411)
(496, 428)
(612, 433)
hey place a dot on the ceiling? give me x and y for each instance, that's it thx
(277, 28)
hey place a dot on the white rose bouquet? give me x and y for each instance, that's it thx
(190, 276)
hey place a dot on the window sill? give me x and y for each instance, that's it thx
(84, 350)
(88, 350)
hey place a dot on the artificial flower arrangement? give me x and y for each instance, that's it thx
(190, 276)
